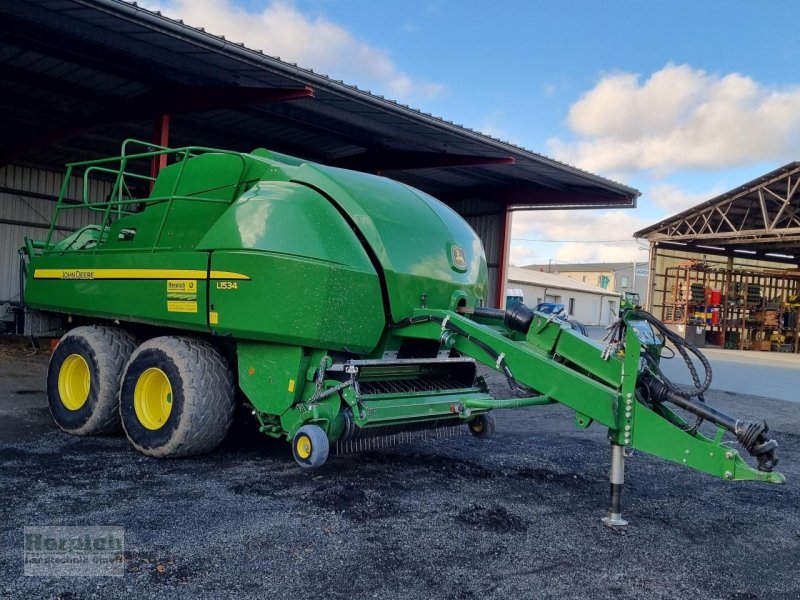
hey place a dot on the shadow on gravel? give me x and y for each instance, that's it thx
(496, 519)
(516, 516)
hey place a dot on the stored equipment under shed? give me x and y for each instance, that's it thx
(340, 306)
(726, 273)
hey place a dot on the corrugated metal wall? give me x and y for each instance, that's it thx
(27, 201)
(488, 220)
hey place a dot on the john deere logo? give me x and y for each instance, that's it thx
(459, 258)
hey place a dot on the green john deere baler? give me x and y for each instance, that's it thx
(341, 307)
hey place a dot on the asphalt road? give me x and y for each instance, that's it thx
(516, 516)
(769, 374)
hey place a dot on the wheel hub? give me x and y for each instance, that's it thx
(74, 382)
(303, 447)
(152, 398)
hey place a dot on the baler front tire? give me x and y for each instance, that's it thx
(482, 426)
(310, 446)
(83, 379)
(177, 397)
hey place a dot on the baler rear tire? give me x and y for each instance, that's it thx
(201, 397)
(99, 354)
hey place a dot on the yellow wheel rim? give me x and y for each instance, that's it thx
(303, 446)
(477, 426)
(74, 382)
(152, 398)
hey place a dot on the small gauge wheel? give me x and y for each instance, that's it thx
(310, 446)
(482, 426)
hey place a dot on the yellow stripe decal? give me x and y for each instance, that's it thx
(227, 275)
(79, 274)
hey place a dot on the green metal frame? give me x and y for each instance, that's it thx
(115, 205)
(629, 422)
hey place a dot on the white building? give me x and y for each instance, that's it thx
(589, 304)
(618, 276)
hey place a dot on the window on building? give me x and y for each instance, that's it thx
(623, 281)
(571, 307)
(583, 279)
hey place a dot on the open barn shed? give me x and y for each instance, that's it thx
(728, 268)
(80, 76)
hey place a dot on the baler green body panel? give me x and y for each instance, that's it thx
(412, 235)
(310, 281)
(306, 246)
(129, 286)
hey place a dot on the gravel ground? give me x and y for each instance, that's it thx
(515, 516)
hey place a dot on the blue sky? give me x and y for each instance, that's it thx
(683, 100)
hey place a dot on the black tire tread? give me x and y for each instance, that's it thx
(209, 397)
(112, 347)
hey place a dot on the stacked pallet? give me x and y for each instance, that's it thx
(769, 318)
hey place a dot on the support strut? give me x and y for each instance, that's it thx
(617, 479)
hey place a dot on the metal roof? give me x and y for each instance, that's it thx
(597, 267)
(81, 75)
(552, 280)
(759, 220)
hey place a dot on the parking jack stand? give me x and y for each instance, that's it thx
(617, 478)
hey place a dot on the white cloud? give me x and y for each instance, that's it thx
(522, 255)
(580, 252)
(582, 225)
(279, 29)
(585, 236)
(673, 199)
(681, 118)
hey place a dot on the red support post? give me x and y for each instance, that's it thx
(502, 263)
(160, 138)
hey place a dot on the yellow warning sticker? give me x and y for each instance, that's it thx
(213, 317)
(291, 386)
(182, 295)
(182, 286)
(182, 306)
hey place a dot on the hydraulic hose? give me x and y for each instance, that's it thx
(752, 436)
(684, 348)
